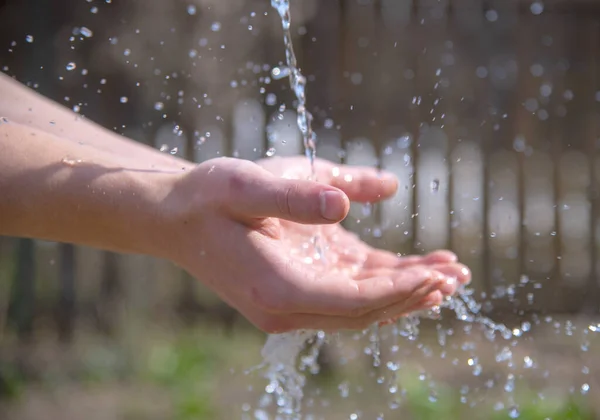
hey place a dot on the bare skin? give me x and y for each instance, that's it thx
(233, 224)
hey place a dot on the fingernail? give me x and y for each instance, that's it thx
(333, 205)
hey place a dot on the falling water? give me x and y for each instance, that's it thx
(281, 351)
(297, 83)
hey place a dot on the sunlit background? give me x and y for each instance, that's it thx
(488, 112)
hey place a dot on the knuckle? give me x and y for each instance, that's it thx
(240, 175)
(284, 198)
(237, 182)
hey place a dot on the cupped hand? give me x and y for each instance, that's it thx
(248, 231)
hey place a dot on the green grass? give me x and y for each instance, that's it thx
(189, 369)
(447, 404)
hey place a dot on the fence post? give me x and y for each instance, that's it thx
(22, 303)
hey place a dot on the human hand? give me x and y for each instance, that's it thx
(239, 226)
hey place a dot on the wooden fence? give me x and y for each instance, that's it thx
(488, 111)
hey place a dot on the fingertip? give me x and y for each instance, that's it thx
(433, 299)
(465, 274)
(363, 184)
(334, 205)
(389, 182)
(441, 256)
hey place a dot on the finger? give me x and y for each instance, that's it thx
(284, 323)
(263, 195)
(449, 274)
(455, 274)
(379, 258)
(361, 184)
(432, 300)
(342, 296)
(460, 272)
(441, 256)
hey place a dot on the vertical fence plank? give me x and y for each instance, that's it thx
(468, 128)
(397, 86)
(467, 200)
(574, 212)
(7, 262)
(431, 165)
(397, 212)
(594, 121)
(248, 129)
(361, 152)
(22, 302)
(503, 205)
(65, 312)
(284, 137)
(432, 190)
(527, 143)
(586, 93)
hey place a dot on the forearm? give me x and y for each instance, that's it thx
(55, 189)
(25, 106)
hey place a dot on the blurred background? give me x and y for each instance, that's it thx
(487, 110)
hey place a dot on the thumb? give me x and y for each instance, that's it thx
(264, 195)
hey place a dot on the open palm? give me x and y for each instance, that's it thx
(265, 245)
(333, 249)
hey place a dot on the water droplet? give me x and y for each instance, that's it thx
(159, 106)
(123, 99)
(537, 7)
(29, 38)
(191, 9)
(491, 15)
(514, 413)
(519, 143)
(271, 99)
(270, 152)
(71, 66)
(215, 26)
(86, 32)
(279, 73)
(435, 185)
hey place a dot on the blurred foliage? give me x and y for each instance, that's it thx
(191, 371)
(445, 402)
(11, 381)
